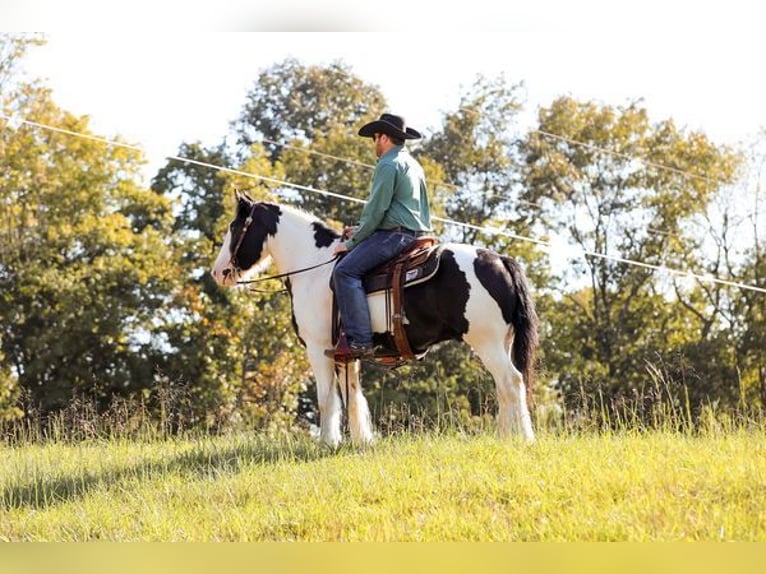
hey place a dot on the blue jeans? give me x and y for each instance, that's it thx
(347, 276)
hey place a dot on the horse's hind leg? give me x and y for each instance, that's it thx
(359, 420)
(512, 411)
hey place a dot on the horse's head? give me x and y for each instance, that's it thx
(245, 248)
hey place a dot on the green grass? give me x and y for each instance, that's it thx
(423, 487)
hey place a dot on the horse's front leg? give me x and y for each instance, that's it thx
(327, 396)
(359, 420)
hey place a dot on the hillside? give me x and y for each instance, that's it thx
(628, 487)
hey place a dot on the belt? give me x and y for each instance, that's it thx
(407, 231)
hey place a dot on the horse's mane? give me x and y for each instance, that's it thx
(306, 216)
(298, 211)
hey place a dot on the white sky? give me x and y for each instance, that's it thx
(153, 73)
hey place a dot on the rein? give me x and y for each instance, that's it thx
(282, 275)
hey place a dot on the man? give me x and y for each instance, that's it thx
(396, 212)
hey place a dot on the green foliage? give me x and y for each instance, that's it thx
(622, 203)
(84, 261)
(750, 307)
(475, 151)
(449, 386)
(291, 101)
(594, 173)
(308, 116)
(12, 50)
(198, 188)
(9, 391)
(105, 291)
(336, 162)
(225, 343)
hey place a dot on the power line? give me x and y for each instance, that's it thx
(612, 152)
(490, 230)
(571, 141)
(319, 153)
(629, 157)
(368, 166)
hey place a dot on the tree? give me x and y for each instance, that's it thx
(476, 151)
(291, 101)
(748, 307)
(307, 117)
(12, 50)
(84, 265)
(226, 343)
(594, 175)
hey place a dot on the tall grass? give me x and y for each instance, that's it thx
(657, 409)
(407, 487)
(607, 471)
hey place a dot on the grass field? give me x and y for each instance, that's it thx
(449, 486)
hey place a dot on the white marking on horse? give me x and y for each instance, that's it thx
(464, 309)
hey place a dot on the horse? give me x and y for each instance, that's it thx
(477, 296)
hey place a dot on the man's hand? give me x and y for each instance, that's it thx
(340, 248)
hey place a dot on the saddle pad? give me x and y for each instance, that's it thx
(420, 266)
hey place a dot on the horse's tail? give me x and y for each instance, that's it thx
(524, 321)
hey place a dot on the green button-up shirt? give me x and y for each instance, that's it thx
(398, 197)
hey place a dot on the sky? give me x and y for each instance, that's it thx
(161, 73)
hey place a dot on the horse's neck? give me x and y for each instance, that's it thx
(293, 246)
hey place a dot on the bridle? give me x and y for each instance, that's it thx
(235, 266)
(233, 259)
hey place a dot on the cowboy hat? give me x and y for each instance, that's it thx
(391, 125)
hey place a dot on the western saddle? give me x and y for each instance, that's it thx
(416, 264)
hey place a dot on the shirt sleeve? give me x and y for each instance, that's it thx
(381, 194)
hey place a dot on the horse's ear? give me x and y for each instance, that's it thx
(240, 197)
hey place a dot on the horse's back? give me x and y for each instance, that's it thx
(471, 291)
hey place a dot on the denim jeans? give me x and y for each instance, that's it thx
(379, 247)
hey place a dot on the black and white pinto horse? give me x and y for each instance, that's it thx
(477, 296)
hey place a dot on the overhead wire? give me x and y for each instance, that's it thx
(544, 133)
(485, 229)
(622, 155)
(571, 141)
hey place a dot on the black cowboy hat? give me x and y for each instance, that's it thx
(391, 125)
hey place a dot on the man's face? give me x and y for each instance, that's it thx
(378, 141)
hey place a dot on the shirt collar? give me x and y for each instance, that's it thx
(394, 150)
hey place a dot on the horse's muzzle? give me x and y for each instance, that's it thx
(224, 277)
